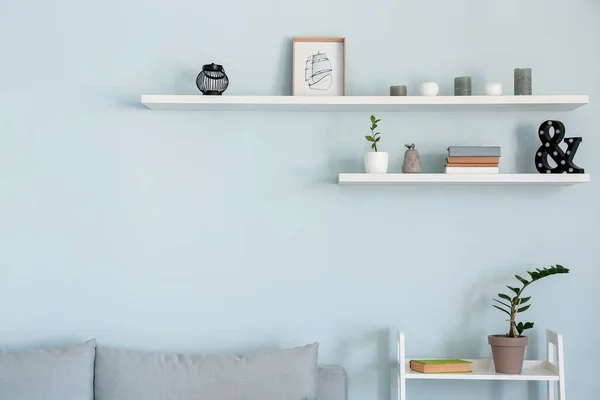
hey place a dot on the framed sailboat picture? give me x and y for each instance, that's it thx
(319, 66)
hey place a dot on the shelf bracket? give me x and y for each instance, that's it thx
(554, 353)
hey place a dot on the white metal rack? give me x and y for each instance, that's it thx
(551, 370)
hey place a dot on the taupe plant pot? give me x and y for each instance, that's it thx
(508, 353)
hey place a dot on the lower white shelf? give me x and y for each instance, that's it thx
(484, 370)
(494, 179)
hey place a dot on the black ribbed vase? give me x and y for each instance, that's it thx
(212, 80)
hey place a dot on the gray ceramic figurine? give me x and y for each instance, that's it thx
(412, 163)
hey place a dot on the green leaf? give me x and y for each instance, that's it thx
(528, 325)
(504, 304)
(523, 281)
(377, 120)
(372, 119)
(369, 138)
(523, 327)
(501, 309)
(377, 140)
(513, 289)
(542, 273)
(531, 274)
(561, 269)
(525, 299)
(505, 297)
(373, 146)
(373, 126)
(523, 309)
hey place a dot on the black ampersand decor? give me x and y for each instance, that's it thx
(550, 148)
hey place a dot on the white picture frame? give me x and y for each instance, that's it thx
(319, 66)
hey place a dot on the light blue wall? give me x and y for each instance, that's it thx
(224, 232)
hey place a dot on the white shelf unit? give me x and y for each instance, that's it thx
(364, 103)
(550, 370)
(465, 179)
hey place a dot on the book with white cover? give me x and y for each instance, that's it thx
(474, 151)
(472, 170)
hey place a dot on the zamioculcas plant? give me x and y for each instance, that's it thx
(373, 137)
(376, 162)
(515, 302)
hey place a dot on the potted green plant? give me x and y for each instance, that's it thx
(376, 162)
(508, 349)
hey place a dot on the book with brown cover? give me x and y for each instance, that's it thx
(474, 160)
(440, 366)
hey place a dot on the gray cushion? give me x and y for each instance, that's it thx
(332, 383)
(65, 373)
(290, 374)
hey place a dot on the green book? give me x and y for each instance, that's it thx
(445, 372)
(442, 362)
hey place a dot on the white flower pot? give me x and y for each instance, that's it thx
(376, 162)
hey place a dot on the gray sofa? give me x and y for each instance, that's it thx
(93, 372)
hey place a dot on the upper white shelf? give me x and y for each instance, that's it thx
(484, 370)
(364, 103)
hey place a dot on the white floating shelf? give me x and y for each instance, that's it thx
(483, 179)
(484, 370)
(364, 103)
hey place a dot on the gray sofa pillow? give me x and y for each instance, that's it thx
(332, 383)
(65, 373)
(290, 374)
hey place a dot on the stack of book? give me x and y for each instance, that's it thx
(473, 160)
(440, 366)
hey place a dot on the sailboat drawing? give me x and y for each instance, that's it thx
(318, 72)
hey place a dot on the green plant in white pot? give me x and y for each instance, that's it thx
(376, 162)
(508, 349)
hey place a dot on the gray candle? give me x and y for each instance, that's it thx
(462, 86)
(522, 81)
(399, 90)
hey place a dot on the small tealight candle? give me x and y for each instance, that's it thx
(398, 90)
(429, 89)
(523, 82)
(493, 89)
(462, 86)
